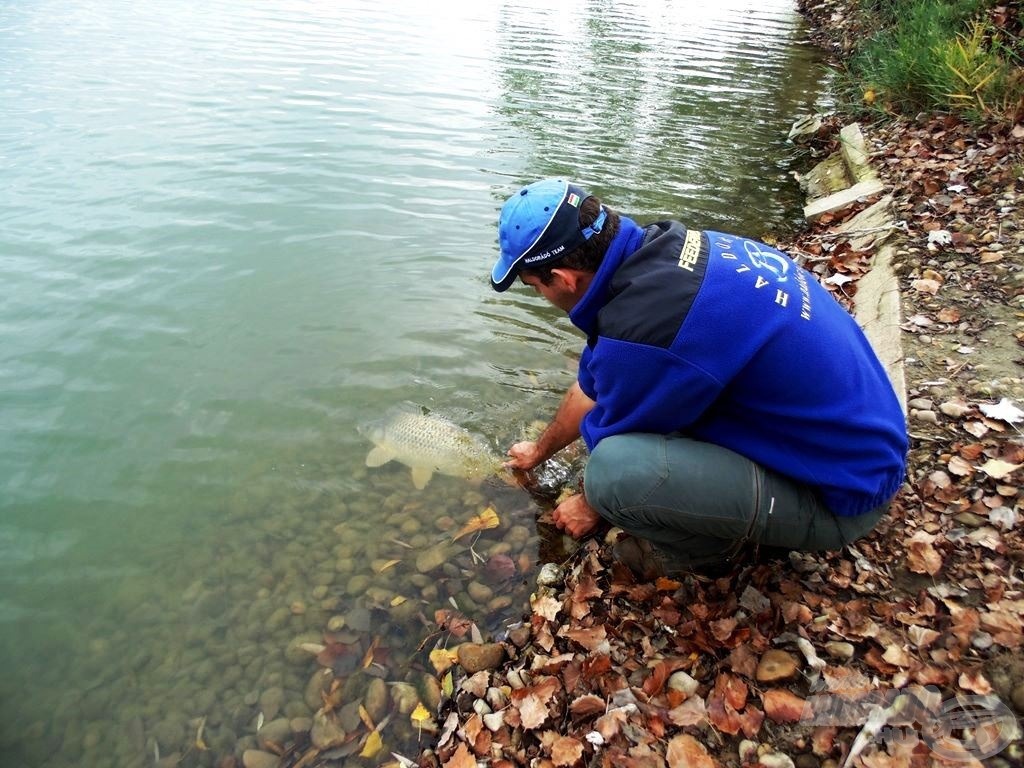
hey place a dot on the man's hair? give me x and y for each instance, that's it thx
(588, 256)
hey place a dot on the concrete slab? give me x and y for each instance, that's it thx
(855, 152)
(827, 177)
(877, 311)
(840, 200)
(871, 227)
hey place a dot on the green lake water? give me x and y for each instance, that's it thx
(232, 231)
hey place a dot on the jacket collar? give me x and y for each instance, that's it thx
(627, 240)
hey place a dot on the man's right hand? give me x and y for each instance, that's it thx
(524, 456)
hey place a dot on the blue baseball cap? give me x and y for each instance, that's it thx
(538, 225)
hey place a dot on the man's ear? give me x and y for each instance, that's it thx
(569, 278)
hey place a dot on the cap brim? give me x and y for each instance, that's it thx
(503, 275)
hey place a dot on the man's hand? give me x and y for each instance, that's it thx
(524, 456)
(575, 516)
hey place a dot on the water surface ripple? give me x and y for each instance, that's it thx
(232, 231)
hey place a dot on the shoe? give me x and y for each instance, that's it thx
(649, 562)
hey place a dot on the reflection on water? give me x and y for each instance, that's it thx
(233, 231)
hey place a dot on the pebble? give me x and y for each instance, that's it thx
(1017, 697)
(277, 731)
(376, 699)
(550, 575)
(271, 701)
(432, 558)
(476, 657)
(928, 417)
(806, 760)
(680, 681)
(954, 409)
(255, 758)
(920, 404)
(776, 665)
(326, 733)
(839, 650)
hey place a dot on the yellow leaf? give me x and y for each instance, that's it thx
(486, 519)
(419, 714)
(447, 685)
(374, 744)
(365, 717)
(397, 600)
(442, 659)
(387, 565)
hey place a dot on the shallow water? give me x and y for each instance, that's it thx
(230, 232)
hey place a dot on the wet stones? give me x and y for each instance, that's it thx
(477, 657)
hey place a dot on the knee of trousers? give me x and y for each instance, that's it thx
(621, 472)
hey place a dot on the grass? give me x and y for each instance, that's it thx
(957, 55)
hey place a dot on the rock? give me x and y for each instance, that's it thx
(1017, 697)
(776, 665)
(550, 575)
(431, 691)
(432, 558)
(319, 683)
(520, 636)
(255, 758)
(271, 701)
(775, 760)
(326, 733)
(376, 699)
(476, 657)
(954, 409)
(920, 404)
(925, 417)
(277, 731)
(839, 650)
(680, 681)
(806, 760)
(481, 593)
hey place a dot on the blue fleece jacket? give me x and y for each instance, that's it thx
(726, 340)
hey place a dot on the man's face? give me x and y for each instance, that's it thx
(557, 291)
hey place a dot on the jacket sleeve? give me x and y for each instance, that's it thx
(641, 388)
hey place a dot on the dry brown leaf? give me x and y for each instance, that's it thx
(960, 467)
(782, 706)
(684, 751)
(975, 682)
(532, 702)
(922, 557)
(590, 638)
(998, 469)
(462, 758)
(546, 606)
(566, 751)
(611, 722)
(586, 706)
(690, 712)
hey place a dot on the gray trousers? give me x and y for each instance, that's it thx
(699, 503)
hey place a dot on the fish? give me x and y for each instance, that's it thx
(428, 443)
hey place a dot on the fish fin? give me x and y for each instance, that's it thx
(378, 456)
(421, 476)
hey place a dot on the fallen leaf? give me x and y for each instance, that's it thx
(586, 706)
(462, 758)
(975, 682)
(486, 519)
(441, 659)
(960, 467)
(998, 469)
(546, 606)
(1004, 410)
(690, 712)
(922, 557)
(566, 751)
(684, 751)
(926, 286)
(533, 703)
(419, 715)
(374, 744)
(782, 706)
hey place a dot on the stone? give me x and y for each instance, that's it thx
(550, 575)
(954, 409)
(271, 701)
(319, 683)
(432, 558)
(806, 760)
(255, 758)
(277, 731)
(682, 682)
(839, 650)
(476, 657)
(326, 733)
(376, 699)
(1017, 697)
(481, 593)
(776, 665)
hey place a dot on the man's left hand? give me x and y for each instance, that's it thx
(575, 516)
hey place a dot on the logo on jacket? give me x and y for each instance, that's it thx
(691, 250)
